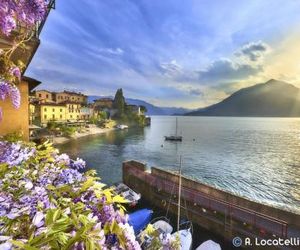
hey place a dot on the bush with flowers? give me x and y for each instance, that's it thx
(47, 202)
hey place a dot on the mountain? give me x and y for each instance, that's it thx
(271, 99)
(151, 109)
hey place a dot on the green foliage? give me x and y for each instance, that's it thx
(103, 115)
(143, 109)
(51, 125)
(14, 136)
(68, 130)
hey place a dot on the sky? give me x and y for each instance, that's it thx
(177, 53)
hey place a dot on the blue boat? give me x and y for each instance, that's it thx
(140, 219)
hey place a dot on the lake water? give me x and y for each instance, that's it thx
(258, 158)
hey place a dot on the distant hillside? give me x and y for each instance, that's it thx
(152, 109)
(271, 99)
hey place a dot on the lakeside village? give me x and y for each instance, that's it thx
(57, 115)
(47, 200)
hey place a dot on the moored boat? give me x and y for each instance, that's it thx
(122, 126)
(131, 196)
(185, 236)
(175, 137)
(140, 219)
(209, 245)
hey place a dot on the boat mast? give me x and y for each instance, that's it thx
(176, 125)
(179, 194)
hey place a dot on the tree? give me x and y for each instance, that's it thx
(119, 103)
(143, 109)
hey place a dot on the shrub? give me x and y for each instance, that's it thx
(13, 137)
(47, 203)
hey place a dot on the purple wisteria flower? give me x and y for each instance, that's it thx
(69, 176)
(31, 11)
(15, 97)
(78, 164)
(26, 12)
(13, 153)
(63, 159)
(7, 20)
(15, 71)
(12, 91)
(4, 90)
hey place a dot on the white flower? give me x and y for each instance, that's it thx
(38, 219)
(29, 185)
(6, 246)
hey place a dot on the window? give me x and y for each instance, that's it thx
(60, 110)
(53, 116)
(77, 116)
(47, 95)
(45, 109)
(71, 116)
(60, 116)
(40, 95)
(53, 110)
(45, 116)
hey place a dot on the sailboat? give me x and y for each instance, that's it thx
(184, 229)
(175, 137)
(162, 226)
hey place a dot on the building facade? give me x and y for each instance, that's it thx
(44, 96)
(68, 96)
(51, 112)
(17, 120)
(104, 103)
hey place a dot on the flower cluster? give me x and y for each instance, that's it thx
(46, 203)
(8, 90)
(24, 12)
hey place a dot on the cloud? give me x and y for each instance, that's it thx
(226, 69)
(171, 69)
(254, 51)
(112, 51)
(196, 92)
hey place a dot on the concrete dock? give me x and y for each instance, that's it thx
(213, 209)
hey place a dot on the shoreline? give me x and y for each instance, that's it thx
(93, 131)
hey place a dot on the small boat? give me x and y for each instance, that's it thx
(122, 126)
(185, 236)
(209, 245)
(162, 225)
(175, 137)
(140, 219)
(127, 193)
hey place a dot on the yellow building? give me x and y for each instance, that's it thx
(73, 111)
(51, 112)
